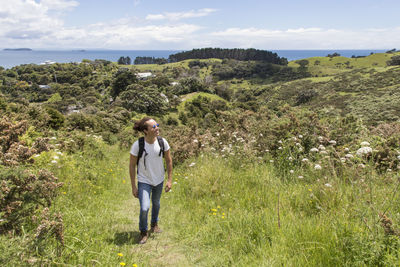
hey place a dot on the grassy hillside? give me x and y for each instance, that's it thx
(273, 165)
(326, 66)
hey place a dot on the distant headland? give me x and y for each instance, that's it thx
(17, 49)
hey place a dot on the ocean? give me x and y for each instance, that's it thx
(9, 59)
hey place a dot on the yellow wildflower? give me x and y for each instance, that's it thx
(309, 189)
(122, 263)
(214, 213)
(134, 265)
(213, 210)
(218, 207)
(120, 254)
(223, 217)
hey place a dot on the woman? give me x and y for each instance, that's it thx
(147, 164)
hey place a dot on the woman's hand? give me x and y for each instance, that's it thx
(135, 192)
(168, 186)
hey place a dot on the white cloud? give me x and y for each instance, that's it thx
(308, 38)
(175, 16)
(29, 19)
(39, 24)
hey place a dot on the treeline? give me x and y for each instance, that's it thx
(224, 53)
(150, 60)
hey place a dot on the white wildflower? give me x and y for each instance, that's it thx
(175, 182)
(298, 144)
(280, 148)
(290, 158)
(291, 171)
(346, 149)
(320, 138)
(37, 155)
(364, 144)
(305, 160)
(323, 152)
(280, 141)
(54, 161)
(261, 134)
(332, 142)
(398, 157)
(300, 149)
(53, 138)
(317, 167)
(314, 149)
(300, 136)
(389, 170)
(271, 161)
(365, 150)
(56, 157)
(361, 165)
(217, 134)
(300, 177)
(195, 141)
(192, 164)
(59, 153)
(343, 160)
(321, 147)
(328, 185)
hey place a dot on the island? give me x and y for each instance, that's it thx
(17, 49)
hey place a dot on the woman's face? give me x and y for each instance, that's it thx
(152, 128)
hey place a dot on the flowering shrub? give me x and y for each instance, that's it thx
(22, 194)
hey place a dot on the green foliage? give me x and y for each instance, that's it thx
(148, 100)
(395, 60)
(81, 121)
(121, 80)
(237, 54)
(124, 61)
(22, 195)
(56, 118)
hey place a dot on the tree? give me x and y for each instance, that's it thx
(145, 100)
(122, 79)
(124, 61)
(395, 60)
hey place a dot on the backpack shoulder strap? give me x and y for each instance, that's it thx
(141, 149)
(161, 144)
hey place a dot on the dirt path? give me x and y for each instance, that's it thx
(160, 249)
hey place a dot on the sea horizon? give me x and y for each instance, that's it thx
(12, 58)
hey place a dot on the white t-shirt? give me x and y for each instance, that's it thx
(153, 173)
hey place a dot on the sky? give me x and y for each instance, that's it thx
(188, 24)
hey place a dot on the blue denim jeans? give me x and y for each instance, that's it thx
(144, 191)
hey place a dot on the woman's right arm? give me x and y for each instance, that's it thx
(132, 173)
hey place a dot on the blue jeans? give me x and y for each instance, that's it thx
(144, 191)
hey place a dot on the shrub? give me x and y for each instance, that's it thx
(22, 194)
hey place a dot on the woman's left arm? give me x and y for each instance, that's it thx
(168, 160)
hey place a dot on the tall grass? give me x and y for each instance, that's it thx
(222, 211)
(229, 215)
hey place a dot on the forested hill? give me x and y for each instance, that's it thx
(236, 53)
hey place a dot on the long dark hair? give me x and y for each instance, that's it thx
(140, 125)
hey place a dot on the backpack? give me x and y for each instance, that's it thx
(142, 149)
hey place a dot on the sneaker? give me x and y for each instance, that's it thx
(143, 237)
(155, 229)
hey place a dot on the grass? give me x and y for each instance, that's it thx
(222, 211)
(325, 66)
